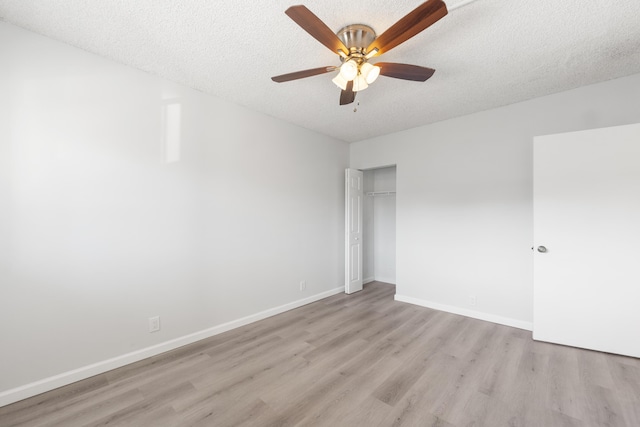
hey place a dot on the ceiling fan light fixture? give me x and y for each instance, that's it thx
(370, 72)
(340, 81)
(371, 53)
(349, 70)
(356, 44)
(360, 83)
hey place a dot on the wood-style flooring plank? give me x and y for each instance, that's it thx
(354, 360)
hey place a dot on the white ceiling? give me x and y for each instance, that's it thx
(486, 53)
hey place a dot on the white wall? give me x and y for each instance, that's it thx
(464, 201)
(98, 231)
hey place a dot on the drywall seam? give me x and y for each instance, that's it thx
(28, 390)
(515, 323)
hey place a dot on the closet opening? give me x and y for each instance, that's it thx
(379, 225)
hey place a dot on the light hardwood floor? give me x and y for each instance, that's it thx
(354, 360)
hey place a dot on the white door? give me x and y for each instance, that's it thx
(353, 228)
(587, 217)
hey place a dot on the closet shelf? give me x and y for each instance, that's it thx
(381, 193)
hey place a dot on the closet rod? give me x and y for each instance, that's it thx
(381, 193)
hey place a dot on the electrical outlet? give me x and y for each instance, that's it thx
(154, 324)
(303, 285)
(473, 300)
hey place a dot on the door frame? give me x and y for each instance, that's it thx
(362, 237)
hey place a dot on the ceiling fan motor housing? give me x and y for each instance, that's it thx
(357, 37)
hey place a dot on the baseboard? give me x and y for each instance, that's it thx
(507, 321)
(376, 279)
(47, 384)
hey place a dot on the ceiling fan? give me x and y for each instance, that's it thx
(357, 44)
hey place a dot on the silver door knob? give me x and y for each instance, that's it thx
(542, 249)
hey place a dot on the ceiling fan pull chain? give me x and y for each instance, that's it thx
(355, 109)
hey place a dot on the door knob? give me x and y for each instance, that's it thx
(542, 249)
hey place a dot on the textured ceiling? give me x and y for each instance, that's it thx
(486, 53)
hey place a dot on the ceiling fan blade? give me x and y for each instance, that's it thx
(318, 29)
(405, 71)
(347, 96)
(302, 74)
(414, 22)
